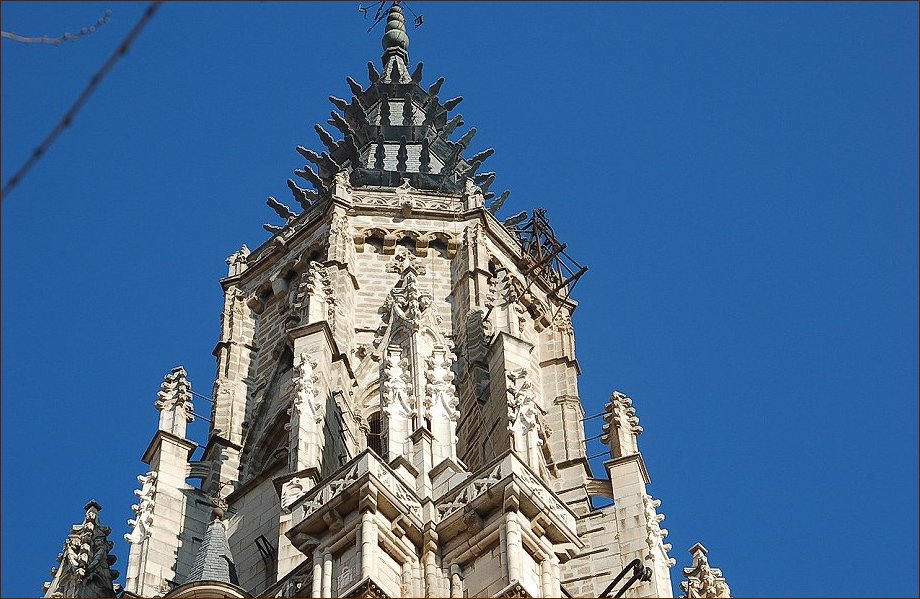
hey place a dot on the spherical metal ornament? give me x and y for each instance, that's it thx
(395, 38)
(395, 35)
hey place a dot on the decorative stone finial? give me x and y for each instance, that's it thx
(702, 579)
(174, 401)
(621, 429)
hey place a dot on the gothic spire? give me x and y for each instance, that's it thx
(214, 562)
(85, 568)
(703, 580)
(393, 130)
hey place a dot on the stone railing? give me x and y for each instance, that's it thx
(508, 466)
(363, 464)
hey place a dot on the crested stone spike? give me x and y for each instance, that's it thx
(417, 73)
(478, 179)
(621, 429)
(356, 88)
(702, 579)
(339, 103)
(304, 197)
(467, 138)
(308, 174)
(324, 137)
(273, 229)
(452, 125)
(372, 73)
(85, 564)
(452, 103)
(435, 87)
(472, 169)
(499, 202)
(174, 402)
(484, 186)
(280, 209)
(482, 156)
(309, 155)
(359, 112)
(341, 124)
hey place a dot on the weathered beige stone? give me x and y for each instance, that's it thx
(396, 406)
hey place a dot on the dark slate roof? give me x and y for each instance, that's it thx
(214, 561)
(391, 131)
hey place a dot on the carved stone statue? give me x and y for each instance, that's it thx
(402, 260)
(524, 417)
(237, 261)
(502, 301)
(306, 393)
(292, 491)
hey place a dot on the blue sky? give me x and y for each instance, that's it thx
(741, 179)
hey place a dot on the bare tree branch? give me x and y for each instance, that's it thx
(68, 118)
(66, 37)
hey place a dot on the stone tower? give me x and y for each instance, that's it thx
(396, 410)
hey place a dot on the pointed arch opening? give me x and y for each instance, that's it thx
(376, 434)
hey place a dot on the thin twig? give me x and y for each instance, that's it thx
(65, 37)
(67, 120)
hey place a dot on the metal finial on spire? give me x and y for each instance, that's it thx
(395, 47)
(395, 35)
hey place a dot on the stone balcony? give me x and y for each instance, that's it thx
(484, 491)
(481, 491)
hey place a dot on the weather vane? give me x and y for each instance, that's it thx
(380, 14)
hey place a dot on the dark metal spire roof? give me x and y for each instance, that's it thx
(393, 130)
(213, 562)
